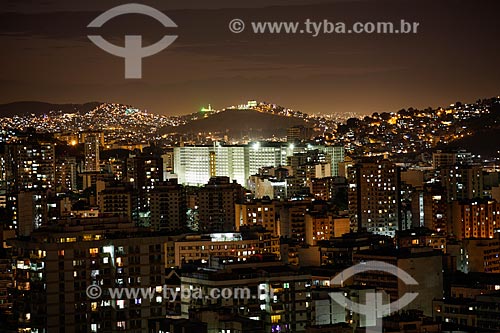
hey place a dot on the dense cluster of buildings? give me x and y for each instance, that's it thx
(404, 132)
(281, 219)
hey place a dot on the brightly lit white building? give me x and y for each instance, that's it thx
(231, 161)
(192, 164)
(266, 155)
(195, 165)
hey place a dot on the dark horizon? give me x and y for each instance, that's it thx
(452, 58)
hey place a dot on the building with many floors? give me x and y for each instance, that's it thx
(477, 218)
(168, 206)
(54, 266)
(415, 262)
(216, 202)
(374, 196)
(264, 213)
(278, 296)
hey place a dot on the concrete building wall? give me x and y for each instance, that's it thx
(430, 282)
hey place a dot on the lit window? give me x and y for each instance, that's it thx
(120, 304)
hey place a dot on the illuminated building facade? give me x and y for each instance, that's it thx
(195, 165)
(324, 226)
(264, 213)
(374, 196)
(462, 182)
(54, 268)
(239, 246)
(475, 218)
(92, 147)
(144, 171)
(335, 155)
(288, 310)
(30, 165)
(66, 174)
(192, 164)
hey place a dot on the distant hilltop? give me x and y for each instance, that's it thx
(239, 122)
(407, 131)
(40, 108)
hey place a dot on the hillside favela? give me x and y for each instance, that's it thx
(249, 218)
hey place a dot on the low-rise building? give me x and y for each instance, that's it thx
(194, 248)
(421, 237)
(339, 251)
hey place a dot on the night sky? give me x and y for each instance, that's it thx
(45, 55)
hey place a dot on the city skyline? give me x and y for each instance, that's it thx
(264, 166)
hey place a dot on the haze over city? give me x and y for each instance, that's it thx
(46, 56)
